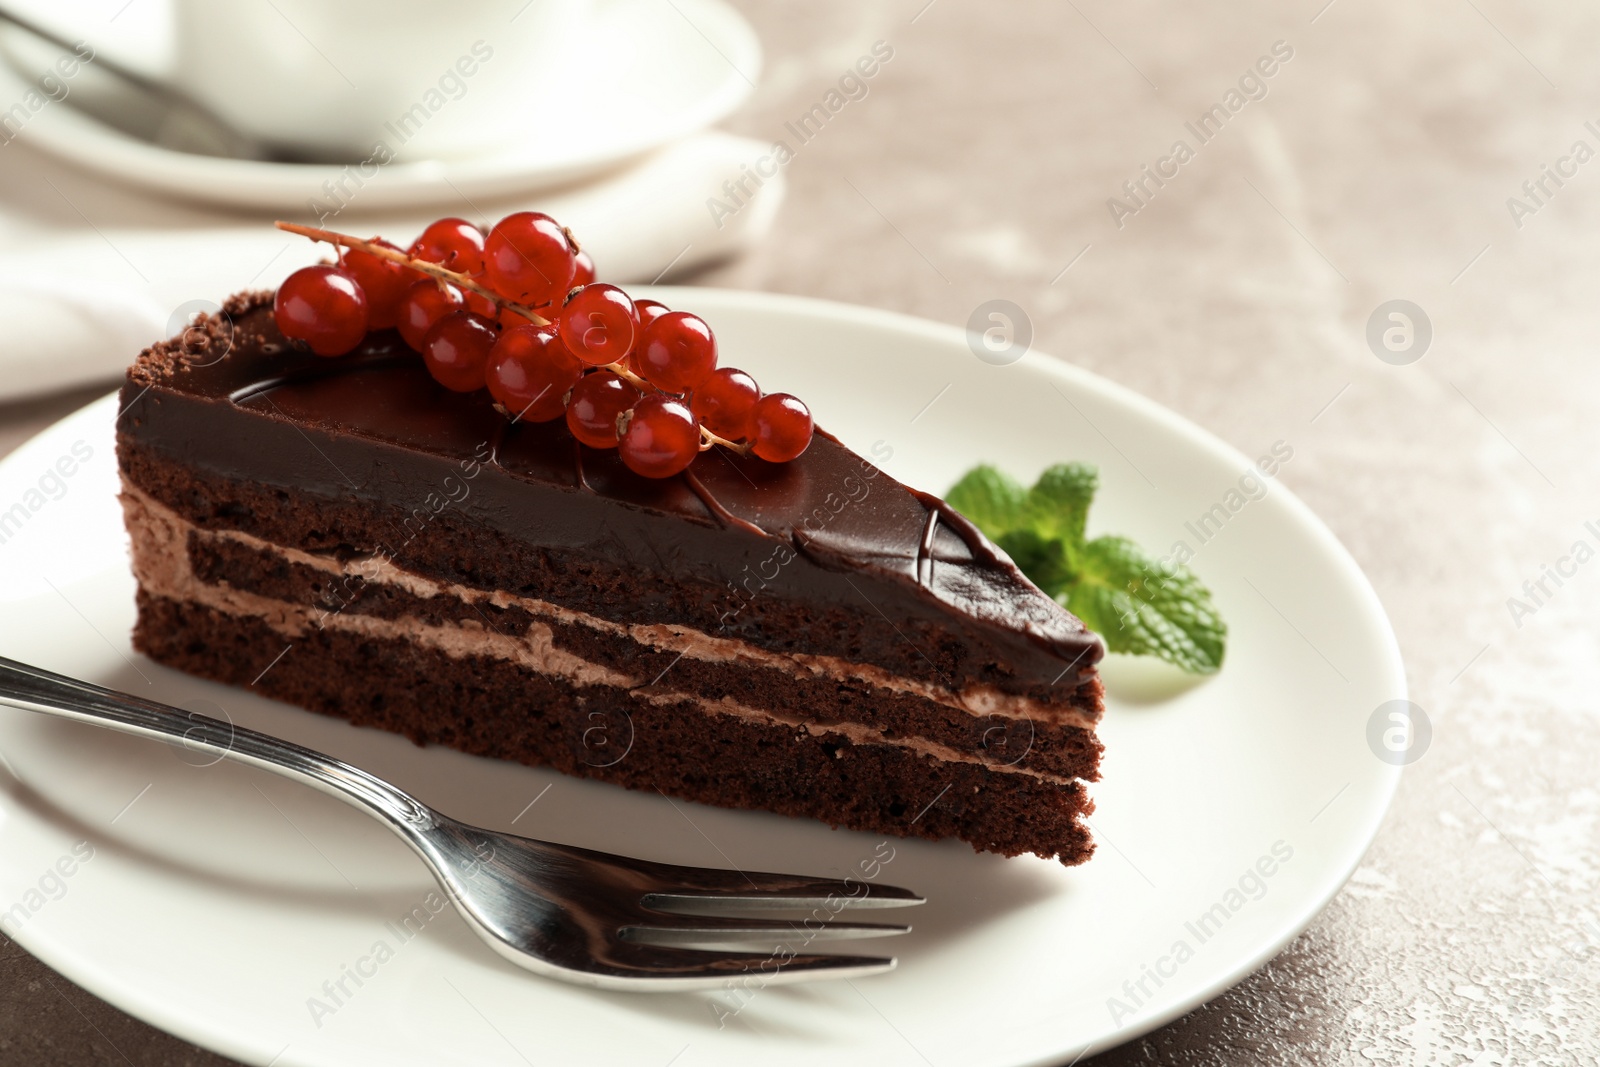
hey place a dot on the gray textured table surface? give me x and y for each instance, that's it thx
(1380, 164)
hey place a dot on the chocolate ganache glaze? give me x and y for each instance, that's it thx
(242, 404)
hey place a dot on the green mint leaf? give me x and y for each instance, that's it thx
(1058, 504)
(1130, 599)
(1141, 607)
(992, 499)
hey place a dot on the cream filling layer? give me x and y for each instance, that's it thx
(981, 701)
(161, 564)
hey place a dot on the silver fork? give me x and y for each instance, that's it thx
(560, 911)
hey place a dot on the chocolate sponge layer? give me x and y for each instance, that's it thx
(490, 708)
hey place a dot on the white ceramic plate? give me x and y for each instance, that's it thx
(219, 899)
(657, 72)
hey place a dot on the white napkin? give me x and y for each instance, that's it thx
(90, 274)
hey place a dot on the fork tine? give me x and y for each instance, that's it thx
(666, 966)
(709, 891)
(671, 930)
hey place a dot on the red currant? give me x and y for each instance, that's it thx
(598, 323)
(382, 280)
(481, 304)
(509, 319)
(457, 349)
(530, 372)
(528, 258)
(661, 439)
(425, 303)
(584, 274)
(454, 244)
(724, 401)
(780, 427)
(676, 353)
(649, 311)
(324, 307)
(596, 402)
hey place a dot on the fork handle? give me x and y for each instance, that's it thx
(33, 689)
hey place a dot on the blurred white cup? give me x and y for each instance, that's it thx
(344, 79)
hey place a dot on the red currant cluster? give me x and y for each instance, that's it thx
(518, 311)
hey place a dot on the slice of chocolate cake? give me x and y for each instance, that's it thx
(810, 638)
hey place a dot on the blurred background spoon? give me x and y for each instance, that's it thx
(127, 100)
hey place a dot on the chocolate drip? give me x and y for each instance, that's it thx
(925, 550)
(577, 467)
(497, 438)
(977, 542)
(713, 505)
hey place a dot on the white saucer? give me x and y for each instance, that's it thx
(660, 71)
(219, 899)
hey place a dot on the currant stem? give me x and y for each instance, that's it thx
(708, 439)
(631, 378)
(443, 274)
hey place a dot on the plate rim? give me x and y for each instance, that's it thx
(1354, 846)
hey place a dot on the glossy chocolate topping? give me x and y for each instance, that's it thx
(829, 527)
